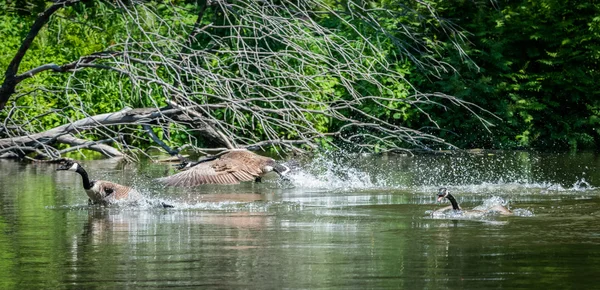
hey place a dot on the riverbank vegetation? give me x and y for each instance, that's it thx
(120, 77)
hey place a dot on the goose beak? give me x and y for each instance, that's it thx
(440, 198)
(67, 166)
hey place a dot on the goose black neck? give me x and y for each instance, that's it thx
(86, 180)
(453, 202)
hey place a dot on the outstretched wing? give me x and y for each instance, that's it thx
(213, 172)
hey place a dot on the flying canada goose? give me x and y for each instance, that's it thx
(444, 193)
(231, 167)
(101, 191)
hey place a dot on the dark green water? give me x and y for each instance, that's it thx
(359, 222)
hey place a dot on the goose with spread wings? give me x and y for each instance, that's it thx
(231, 167)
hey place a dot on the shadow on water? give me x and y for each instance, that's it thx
(347, 221)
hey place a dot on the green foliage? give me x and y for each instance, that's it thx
(538, 71)
(73, 32)
(63, 41)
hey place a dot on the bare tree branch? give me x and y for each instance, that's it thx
(224, 138)
(78, 144)
(261, 73)
(125, 116)
(82, 62)
(158, 141)
(10, 79)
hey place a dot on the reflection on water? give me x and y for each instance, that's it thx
(347, 222)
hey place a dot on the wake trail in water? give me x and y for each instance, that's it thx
(370, 177)
(350, 172)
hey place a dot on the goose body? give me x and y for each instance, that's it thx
(232, 167)
(444, 193)
(101, 191)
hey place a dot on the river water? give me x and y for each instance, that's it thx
(348, 222)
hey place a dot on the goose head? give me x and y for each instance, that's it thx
(281, 169)
(69, 165)
(272, 165)
(442, 193)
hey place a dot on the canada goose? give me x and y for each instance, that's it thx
(101, 191)
(231, 167)
(444, 193)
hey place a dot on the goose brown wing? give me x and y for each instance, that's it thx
(243, 164)
(115, 190)
(222, 171)
(247, 161)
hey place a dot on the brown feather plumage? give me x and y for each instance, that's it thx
(118, 191)
(107, 192)
(232, 167)
(101, 191)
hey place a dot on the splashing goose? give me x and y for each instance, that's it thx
(231, 167)
(101, 191)
(444, 193)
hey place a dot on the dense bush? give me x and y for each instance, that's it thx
(534, 64)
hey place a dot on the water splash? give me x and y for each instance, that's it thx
(491, 203)
(333, 171)
(512, 173)
(582, 185)
(522, 212)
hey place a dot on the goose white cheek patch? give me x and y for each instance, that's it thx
(73, 167)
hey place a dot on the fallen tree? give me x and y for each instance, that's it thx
(44, 143)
